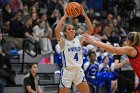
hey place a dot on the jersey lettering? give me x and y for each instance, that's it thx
(76, 56)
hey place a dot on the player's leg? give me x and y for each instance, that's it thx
(83, 87)
(138, 88)
(80, 82)
(114, 86)
(65, 81)
(64, 90)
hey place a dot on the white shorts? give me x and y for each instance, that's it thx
(69, 76)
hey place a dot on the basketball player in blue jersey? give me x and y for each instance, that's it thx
(71, 49)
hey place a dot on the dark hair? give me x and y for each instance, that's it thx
(16, 12)
(31, 64)
(105, 57)
(91, 52)
(27, 18)
(39, 21)
(41, 14)
(64, 28)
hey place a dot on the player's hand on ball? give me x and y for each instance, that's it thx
(82, 11)
(73, 9)
(65, 14)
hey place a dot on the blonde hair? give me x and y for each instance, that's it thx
(134, 37)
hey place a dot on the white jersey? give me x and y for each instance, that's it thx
(71, 52)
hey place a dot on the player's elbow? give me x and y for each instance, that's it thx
(90, 30)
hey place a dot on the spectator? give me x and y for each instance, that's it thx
(104, 67)
(34, 17)
(25, 12)
(16, 4)
(53, 39)
(31, 80)
(44, 41)
(29, 3)
(119, 19)
(7, 13)
(107, 26)
(5, 77)
(16, 33)
(76, 23)
(54, 4)
(29, 34)
(84, 5)
(91, 14)
(117, 33)
(101, 53)
(114, 68)
(48, 29)
(54, 18)
(97, 29)
(109, 20)
(4, 53)
(43, 3)
(33, 10)
(91, 68)
(7, 16)
(63, 3)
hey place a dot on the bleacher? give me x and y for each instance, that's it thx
(46, 73)
(48, 79)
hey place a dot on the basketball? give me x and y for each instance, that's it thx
(73, 9)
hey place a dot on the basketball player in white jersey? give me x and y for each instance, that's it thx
(72, 56)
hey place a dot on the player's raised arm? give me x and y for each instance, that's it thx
(117, 50)
(90, 27)
(59, 27)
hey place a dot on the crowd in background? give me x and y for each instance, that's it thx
(35, 20)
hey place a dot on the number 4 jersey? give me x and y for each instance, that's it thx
(71, 51)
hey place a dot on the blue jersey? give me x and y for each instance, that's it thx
(91, 71)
